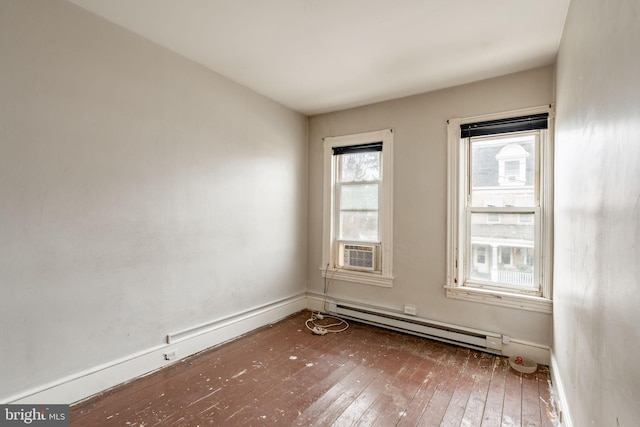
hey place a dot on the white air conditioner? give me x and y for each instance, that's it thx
(359, 257)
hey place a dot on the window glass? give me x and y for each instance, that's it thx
(509, 249)
(493, 217)
(360, 167)
(359, 197)
(358, 226)
(501, 163)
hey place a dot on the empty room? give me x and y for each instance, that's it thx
(320, 212)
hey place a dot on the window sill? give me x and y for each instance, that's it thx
(504, 299)
(375, 279)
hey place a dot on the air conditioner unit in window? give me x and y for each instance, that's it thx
(360, 257)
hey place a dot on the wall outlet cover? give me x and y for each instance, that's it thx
(408, 309)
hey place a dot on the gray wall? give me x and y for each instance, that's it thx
(420, 198)
(140, 194)
(597, 211)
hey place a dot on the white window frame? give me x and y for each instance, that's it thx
(329, 266)
(458, 256)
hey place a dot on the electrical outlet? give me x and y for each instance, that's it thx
(170, 355)
(410, 310)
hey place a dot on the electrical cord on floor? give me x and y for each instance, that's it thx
(325, 326)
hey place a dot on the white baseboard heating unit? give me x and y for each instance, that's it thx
(472, 338)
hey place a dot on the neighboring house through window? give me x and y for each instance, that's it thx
(357, 235)
(500, 193)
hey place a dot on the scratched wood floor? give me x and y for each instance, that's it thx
(283, 375)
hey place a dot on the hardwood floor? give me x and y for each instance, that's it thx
(284, 375)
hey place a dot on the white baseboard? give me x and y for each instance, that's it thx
(560, 397)
(85, 384)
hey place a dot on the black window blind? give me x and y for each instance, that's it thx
(513, 124)
(362, 148)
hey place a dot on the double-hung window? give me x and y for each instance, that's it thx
(500, 214)
(357, 243)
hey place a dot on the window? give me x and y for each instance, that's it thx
(512, 169)
(493, 217)
(481, 255)
(500, 192)
(357, 229)
(525, 219)
(505, 256)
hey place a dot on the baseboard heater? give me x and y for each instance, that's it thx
(472, 338)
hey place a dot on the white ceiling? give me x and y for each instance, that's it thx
(316, 56)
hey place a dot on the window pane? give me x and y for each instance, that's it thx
(359, 197)
(503, 253)
(503, 171)
(359, 226)
(360, 167)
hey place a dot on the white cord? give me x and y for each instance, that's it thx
(317, 328)
(340, 325)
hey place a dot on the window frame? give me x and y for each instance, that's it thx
(330, 240)
(459, 254)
